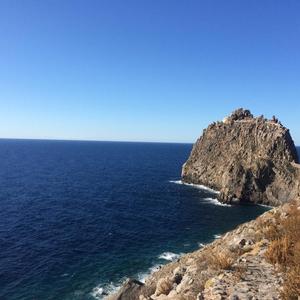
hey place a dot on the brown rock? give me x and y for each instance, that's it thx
(247, 159)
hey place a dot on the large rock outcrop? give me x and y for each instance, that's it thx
(247, 159)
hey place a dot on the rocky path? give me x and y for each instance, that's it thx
(257, 280)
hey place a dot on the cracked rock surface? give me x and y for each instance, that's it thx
(246, 158)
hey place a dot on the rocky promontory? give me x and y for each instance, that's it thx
(247, 159)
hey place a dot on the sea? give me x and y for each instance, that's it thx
(79, 217)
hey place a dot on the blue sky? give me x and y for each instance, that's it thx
(145, 70)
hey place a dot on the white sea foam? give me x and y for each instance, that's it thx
(198, 186)
(143, 275)
(97, 292)
(102, 290)
(265, 205)
(215, 201)
(201, 245)
(169, 256)
(217, 236)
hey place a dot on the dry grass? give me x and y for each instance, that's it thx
(279, 251)
(291, 289)
(270, 228)
(284, 250)
(164, 286)
(221, 260)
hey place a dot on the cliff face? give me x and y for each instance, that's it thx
(247, 159)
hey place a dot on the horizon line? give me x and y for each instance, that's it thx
(104, 141)
(91, 140)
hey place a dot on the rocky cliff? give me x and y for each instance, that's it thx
(258, 260)
(247, 159)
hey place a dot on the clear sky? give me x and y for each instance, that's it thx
(145, 70)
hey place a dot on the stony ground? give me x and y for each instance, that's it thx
(258, 280)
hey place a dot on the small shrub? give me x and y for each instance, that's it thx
(164, 286)
(221, 260)
(279, 251)
(272, 232)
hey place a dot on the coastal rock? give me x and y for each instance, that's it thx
(130, 290)
(164, 286)
(244, 272)
(247, 159)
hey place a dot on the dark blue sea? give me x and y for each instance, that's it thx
(76, 218)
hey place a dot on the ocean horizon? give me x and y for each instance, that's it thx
(97, 141)
(79, 217)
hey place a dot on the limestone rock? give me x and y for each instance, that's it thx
(247, 159)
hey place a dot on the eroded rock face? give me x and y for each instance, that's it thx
(246, 158)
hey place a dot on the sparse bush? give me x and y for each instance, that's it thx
(164, 286)
(279, 251)
(271, 228)
(221, 260)
(272, 232)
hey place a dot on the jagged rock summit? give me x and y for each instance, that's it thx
(247, 159)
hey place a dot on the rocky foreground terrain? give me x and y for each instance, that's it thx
(247, 159)
(252, 160)
(258, 260)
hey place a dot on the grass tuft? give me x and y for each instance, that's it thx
(221, 260)
(284, 250)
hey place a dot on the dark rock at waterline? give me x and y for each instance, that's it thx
(130, 290)
(246, 158)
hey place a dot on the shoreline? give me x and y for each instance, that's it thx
(243, 238)
(102, 291)
(144, 276)
(197, 186)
